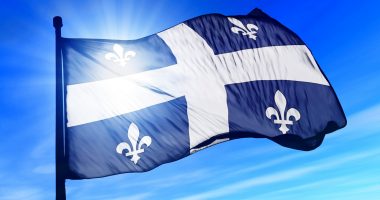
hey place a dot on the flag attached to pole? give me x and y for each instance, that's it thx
(132, 105)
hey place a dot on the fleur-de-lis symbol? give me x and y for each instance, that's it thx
(282, 119)
(118, 56)
(137, 148)
(249, 29)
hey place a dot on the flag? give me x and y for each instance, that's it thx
(132, 105)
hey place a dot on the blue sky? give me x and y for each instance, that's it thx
(344, 36)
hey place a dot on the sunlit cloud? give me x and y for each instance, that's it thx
(139, 196)
(22, 193)
(284, 175)
(340, 181)
(45, 169)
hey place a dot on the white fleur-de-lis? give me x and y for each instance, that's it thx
(118, 56)
(249, 29)
(137, 148)
(283, 118)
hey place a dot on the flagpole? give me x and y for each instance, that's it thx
(59, 111)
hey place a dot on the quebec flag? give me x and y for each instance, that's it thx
(132, 105)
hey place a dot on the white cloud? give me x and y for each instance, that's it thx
(289, 191)
(182, 178)
(281, 176)
(268, 164)
(360, 124)
(262, 180)
(45, 169)
(22, 193)
(140, 196)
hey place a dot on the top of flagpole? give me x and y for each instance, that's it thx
(57, 22)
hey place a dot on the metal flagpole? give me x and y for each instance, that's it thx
(59, 112)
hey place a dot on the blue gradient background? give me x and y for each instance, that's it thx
(344, 36)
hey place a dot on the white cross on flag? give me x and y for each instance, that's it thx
(132, 105)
